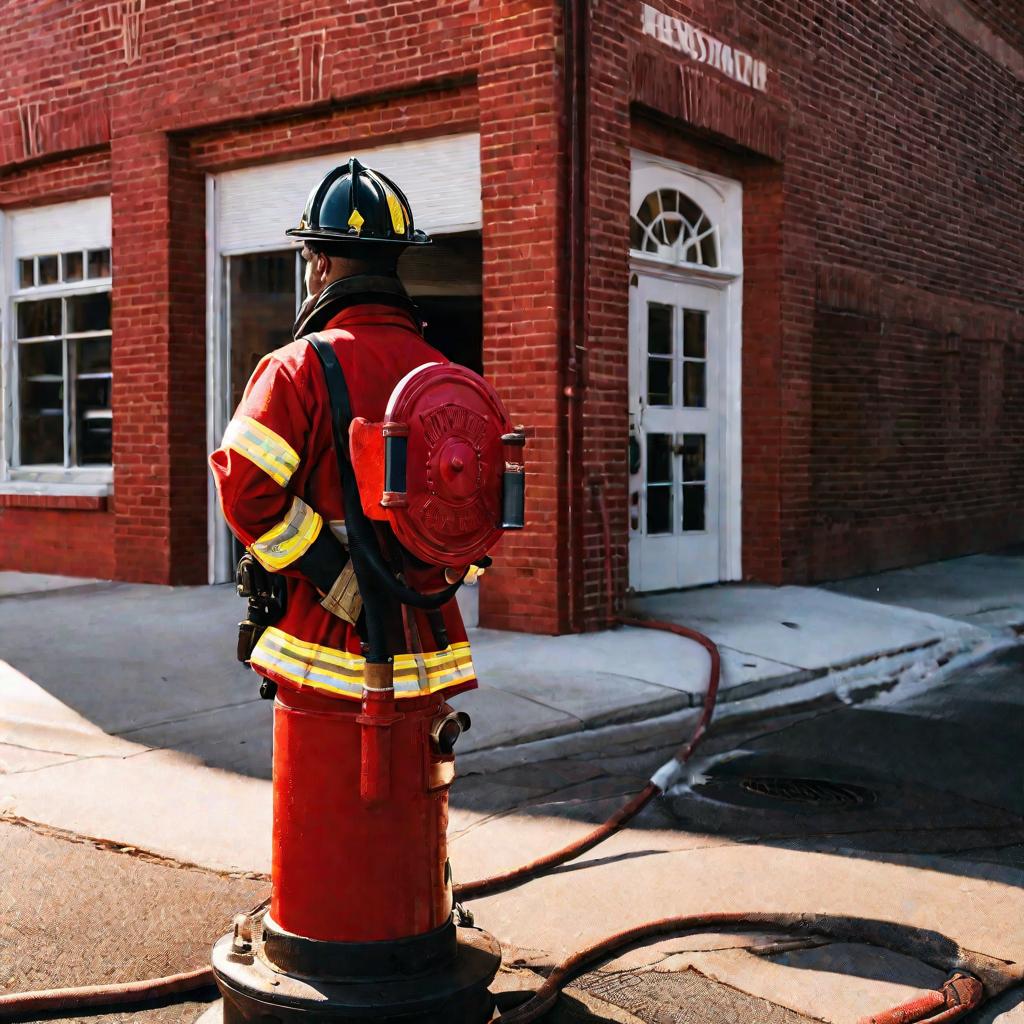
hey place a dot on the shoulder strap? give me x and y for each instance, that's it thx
(337, 391)
(366, 558)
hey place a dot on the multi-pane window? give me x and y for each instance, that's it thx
(660, 365)
(677, 378)
(695, 358)
(660, 483)
(665, 487)
(694, 482)
(673, 227)
(62, 359)
(665, 356)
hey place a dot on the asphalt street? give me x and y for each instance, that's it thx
(936, 773)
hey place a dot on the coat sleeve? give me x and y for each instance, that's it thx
(263, 446)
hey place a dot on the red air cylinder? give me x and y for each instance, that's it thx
(346, 869)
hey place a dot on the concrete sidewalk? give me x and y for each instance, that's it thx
(155, 665)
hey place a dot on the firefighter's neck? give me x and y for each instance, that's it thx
(337, 269)
(342, 267)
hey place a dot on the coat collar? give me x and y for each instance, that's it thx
(361, 290)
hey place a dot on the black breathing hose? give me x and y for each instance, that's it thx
(376, 580)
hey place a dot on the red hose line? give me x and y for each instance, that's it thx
(510, 879)
(632, 807)
(960, 994)
(18, 1004)
(685, 752)
(921, 1007)
(629, 810)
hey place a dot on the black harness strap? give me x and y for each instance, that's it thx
(337, 391)
(371, 570)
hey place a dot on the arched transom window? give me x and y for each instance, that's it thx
(673, 227)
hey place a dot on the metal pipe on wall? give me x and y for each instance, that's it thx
(577, 56)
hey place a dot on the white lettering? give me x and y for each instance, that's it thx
(706, 49)
(702, 40)
(716, 53)
(680, 34)
(665, 29)
(650, 16)
(688, 47)
(743, 62)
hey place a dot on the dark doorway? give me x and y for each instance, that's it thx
(446, 280)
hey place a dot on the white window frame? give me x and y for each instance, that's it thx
(89, 222)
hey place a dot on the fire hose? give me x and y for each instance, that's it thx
(973, 978)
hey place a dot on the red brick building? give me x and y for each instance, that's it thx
(750, 271)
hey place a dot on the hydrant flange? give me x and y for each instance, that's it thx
(254, 993)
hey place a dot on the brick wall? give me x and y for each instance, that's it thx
(878, 165)
(150, 98)
(880, 147)
(75, 538)
(918, 425)
(1002, 18)
(521, 179)
(399, 116)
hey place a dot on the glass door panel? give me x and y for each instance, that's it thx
(263, 296)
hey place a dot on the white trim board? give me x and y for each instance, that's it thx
(35, 231)
(440, 176)
(63, 227)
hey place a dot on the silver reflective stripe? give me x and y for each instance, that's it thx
(290, 539)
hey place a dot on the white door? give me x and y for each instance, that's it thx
(677, 349)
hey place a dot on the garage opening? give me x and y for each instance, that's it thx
(255, 279)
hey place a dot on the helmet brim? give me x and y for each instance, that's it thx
(344, 238)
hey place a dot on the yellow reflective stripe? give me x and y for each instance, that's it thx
(456, 659)
(397, 214)
(289, 539)
(261, 446)
(327, 668)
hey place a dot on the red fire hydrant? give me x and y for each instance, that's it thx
(361, 925)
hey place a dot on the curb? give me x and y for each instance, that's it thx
(887, 676)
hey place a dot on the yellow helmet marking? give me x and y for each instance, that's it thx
(397, 214)
(356, 221)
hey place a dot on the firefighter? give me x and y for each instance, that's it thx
(276, 471)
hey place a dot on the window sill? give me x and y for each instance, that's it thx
(33, 494)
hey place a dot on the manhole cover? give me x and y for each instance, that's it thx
(820, 792)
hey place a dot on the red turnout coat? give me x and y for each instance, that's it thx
(279, 487)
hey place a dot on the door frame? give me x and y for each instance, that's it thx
(722, 200)
(218, 364)
(219, 406)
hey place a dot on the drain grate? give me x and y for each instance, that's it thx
(808, 791)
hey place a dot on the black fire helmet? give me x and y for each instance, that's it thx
(358, 207)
